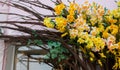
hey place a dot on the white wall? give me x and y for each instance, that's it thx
(3, 8)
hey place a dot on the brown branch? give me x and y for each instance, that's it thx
(19, 15)
(75, 55)
(33, 52)
(21, 30)
(27, 10)
(38, 4)
(38, 15)
(22, 22)
(35, 58)
(53, 1)
(7, 3)
(31, 11)
(38, 32)
(16, 38)
(23, 8)
(40, 60)
(59, 1)
(68, 1)
(46, 6)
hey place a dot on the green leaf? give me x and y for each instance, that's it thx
(34, 33)
(54, 51)
(75, 16)
(64, 13)
(29, 42)
(61, 57)
(53, 56)
(52, 44)
(38, 42)
(47, 56)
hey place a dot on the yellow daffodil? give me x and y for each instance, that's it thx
(72, 8)
(91, 59)
(99, 62)
(110, 19)
(119, 45)
(93, 20)
(80, 40)
(64, 34)
(105, 34)
(114, 29)
(118, 3)
(92, 54)
(101, 28)
(117, 63)
(61, 23)
(85, 6)
(115, 13)
(85, 35)
(95, 31)
(100, 11)
(115, 46)
(71, 12)
(58, 9)
(73, 33)
(79, 21)
(48, 23)
(99, 43)
(89, 44)
(82, 49)
(102, 55)
(70, 18)
(115, 66)
(61, 29)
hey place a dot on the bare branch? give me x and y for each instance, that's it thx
(22, 22)
(38, 4)
(28, 10)
(19, 15)
(21, 30)
(34, 52)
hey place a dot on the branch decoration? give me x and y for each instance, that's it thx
(94, 29)
(74, 36)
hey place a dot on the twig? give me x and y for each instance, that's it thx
(19, 15)
(21, 22)
(28, 10)
(39, 4)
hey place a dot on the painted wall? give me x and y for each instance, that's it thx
(3, 8)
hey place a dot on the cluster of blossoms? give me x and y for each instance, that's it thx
(95, 28)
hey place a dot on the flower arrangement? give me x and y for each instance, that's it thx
(85, 36)
(95, 30)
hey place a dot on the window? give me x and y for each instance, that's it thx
(24, 62)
